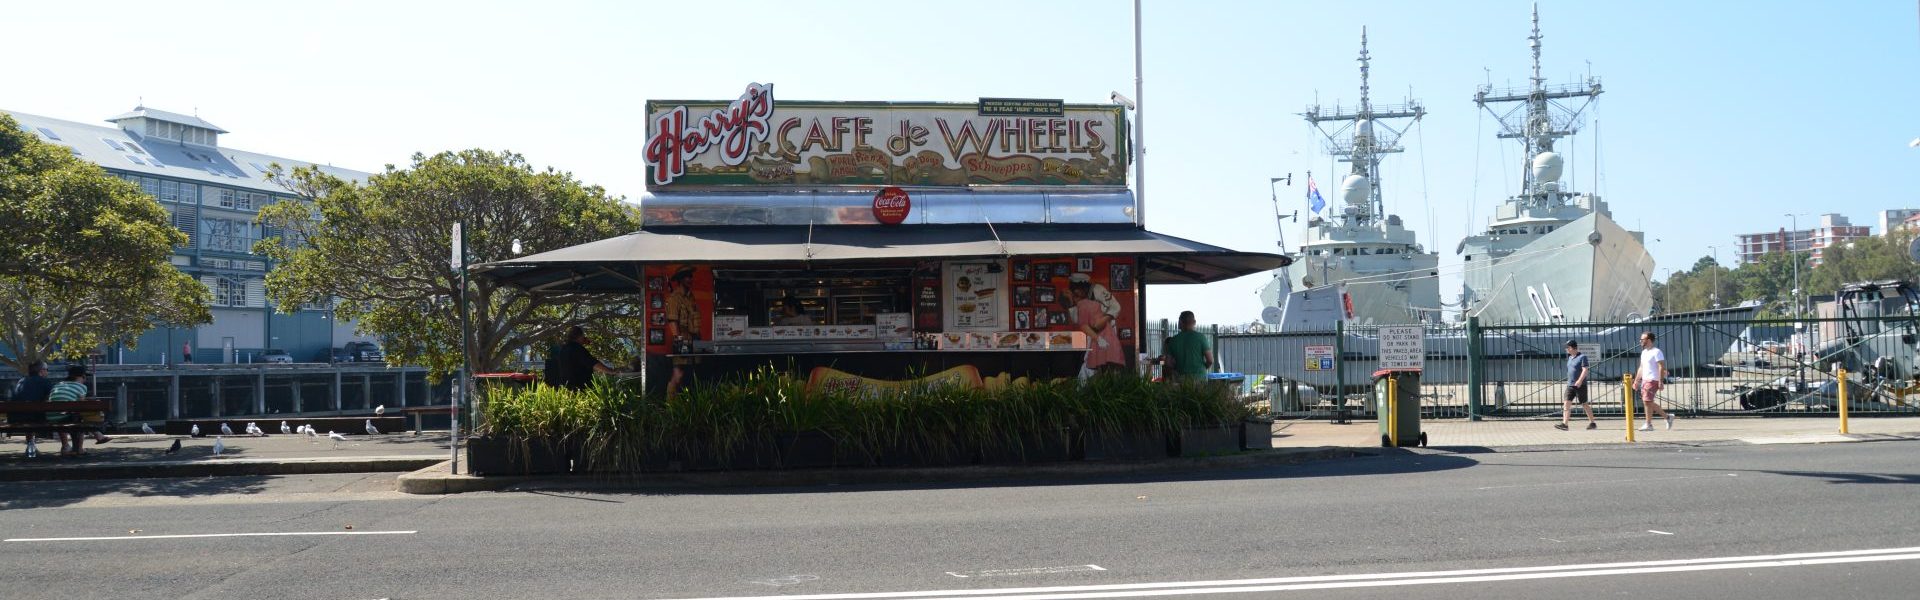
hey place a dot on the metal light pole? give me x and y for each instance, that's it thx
(1139, 125)
(1714, 297)
(465, 383)
(1793, 256)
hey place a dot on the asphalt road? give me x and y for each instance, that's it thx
(1760, 522)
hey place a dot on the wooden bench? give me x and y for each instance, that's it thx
(417, 411)
(77, 406)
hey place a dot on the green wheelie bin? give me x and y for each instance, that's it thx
(1396, 396)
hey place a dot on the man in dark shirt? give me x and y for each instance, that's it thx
(574, 363)
(1576, 387)
(32, 388)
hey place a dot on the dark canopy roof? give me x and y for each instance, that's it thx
(613, 265)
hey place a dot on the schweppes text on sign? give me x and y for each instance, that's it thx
(754, 141)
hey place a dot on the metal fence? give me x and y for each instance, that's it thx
(142, 394)
(1745, 367)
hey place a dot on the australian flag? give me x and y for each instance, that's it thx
(1314, 201)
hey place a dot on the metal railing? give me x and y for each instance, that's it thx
(1714, 367)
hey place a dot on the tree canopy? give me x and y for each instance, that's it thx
(84, 255)
(381, 249)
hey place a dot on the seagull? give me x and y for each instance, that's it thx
(146, 428)
(380, 410)
(175, 448)
(371, 430)
(225, 430)
(253, 429)
(196, 430)
(219, 446)
(284, 429)
(337, 438)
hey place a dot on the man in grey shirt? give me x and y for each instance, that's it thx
(1576, 387)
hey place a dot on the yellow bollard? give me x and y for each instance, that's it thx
(1393, 410)
(1841, 374)
(1626, 395)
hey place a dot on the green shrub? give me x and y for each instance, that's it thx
(621, 430)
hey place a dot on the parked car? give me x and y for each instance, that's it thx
(364, 352)
(336, 355)
(276, 356)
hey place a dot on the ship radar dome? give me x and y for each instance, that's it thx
(1356, 189)
(1547, 167)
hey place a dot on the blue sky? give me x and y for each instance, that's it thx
(1719, 117)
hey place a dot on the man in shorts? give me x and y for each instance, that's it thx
(1576, 387)
(1650, 377)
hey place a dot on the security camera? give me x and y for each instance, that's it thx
(1123, 101)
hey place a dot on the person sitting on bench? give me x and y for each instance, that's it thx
(73, 389)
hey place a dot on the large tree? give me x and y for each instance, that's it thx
(83, 256)
(380, 250)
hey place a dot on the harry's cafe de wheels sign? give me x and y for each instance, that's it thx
(755, 142)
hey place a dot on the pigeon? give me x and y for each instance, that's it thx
(380, 410)
(175, 448)
(33, 450)
(253, 429)
(225, 430)
(146, 428)
(196, 430)
(371, 430)
(284, 430)
(337, 438)
(219, 446)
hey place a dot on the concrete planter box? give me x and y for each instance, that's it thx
(1209, 441)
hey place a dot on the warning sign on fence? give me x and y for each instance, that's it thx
(1320, 358)
(1403, 347)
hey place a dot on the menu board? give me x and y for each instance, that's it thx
(926, 298)
(975, 295)
(893, 326)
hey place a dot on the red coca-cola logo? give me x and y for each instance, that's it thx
(891, 206)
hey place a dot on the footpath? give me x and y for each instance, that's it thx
(425, 469)
(130, 456)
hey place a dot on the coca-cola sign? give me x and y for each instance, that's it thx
(891, 205)
(753, 142)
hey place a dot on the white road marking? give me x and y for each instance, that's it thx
(206, 535)
(1830, 438)
(1658, 531)
(1381, 579)
(1026, 571)
(1528, 485)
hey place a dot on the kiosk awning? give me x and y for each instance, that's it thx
(613, 265)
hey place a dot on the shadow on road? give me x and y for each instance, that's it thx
(1386, 462)
(49, 494)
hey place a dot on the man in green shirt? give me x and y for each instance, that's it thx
(1188, 350)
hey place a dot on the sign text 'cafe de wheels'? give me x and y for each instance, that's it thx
(863, 242)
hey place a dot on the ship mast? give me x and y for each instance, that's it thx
(1360, 135)
(1538, 118)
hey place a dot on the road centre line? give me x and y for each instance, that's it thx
(1377, 579)
(1026, 571)
(1658, 531)
(205, 535)
(1472, 579)
(1559, 483)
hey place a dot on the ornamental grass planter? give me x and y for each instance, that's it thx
(1208, 440)
(1125, 445)
(519, 456)
(805, 450)
(1256, 434)
(1032, 447)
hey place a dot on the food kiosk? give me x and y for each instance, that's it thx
(866, 244)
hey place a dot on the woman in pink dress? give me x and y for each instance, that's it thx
(1103, 349)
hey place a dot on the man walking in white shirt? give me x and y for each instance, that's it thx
(1651, 376)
